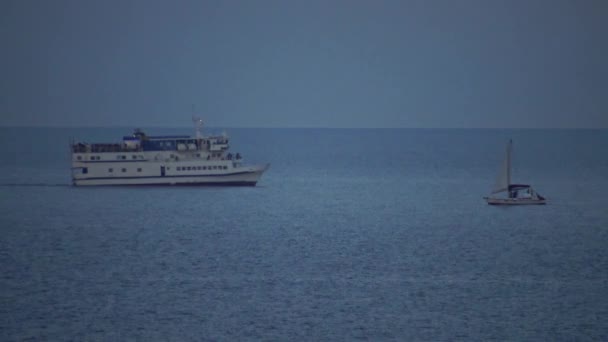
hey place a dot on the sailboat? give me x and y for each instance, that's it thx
(517, 194)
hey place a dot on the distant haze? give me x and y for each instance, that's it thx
(465, 63)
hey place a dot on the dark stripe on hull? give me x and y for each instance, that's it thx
(210, 184)
(529, 203)
(108, 161)
(168, 176)
(520, 203)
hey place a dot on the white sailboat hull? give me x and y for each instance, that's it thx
(514, 201)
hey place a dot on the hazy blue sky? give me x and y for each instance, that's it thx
(452, 63)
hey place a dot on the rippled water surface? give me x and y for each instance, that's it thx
(351, 234)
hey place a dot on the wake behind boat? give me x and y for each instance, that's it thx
(516, 194)
(162, 160)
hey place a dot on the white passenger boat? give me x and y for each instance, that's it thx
(516, 194)
(162, 160)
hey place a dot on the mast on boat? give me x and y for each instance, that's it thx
(509, 149)
(504, 176)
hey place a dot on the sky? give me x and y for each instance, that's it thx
(288, 63)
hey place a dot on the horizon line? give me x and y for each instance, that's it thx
(292, 127)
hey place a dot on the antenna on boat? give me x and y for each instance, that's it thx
(198, 124)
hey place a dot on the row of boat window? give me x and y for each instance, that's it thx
(134, 157)
(214, 167)
(124, 169)
(121, 157)
(198, 155)
(125, 157)
(171, 143)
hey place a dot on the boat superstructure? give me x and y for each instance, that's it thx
(140, 159)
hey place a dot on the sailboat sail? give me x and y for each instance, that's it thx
(504, 177)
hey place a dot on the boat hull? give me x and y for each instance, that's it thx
(249, 176)
(514, 201)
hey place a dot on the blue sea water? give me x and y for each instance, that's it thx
(352, 234)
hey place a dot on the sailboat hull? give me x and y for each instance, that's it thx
(514, 201)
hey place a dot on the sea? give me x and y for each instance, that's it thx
(352, 234)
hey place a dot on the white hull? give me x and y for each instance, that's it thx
(514, 201)
(243, 176)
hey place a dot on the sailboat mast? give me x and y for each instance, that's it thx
(503, 181)
(509, 148)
